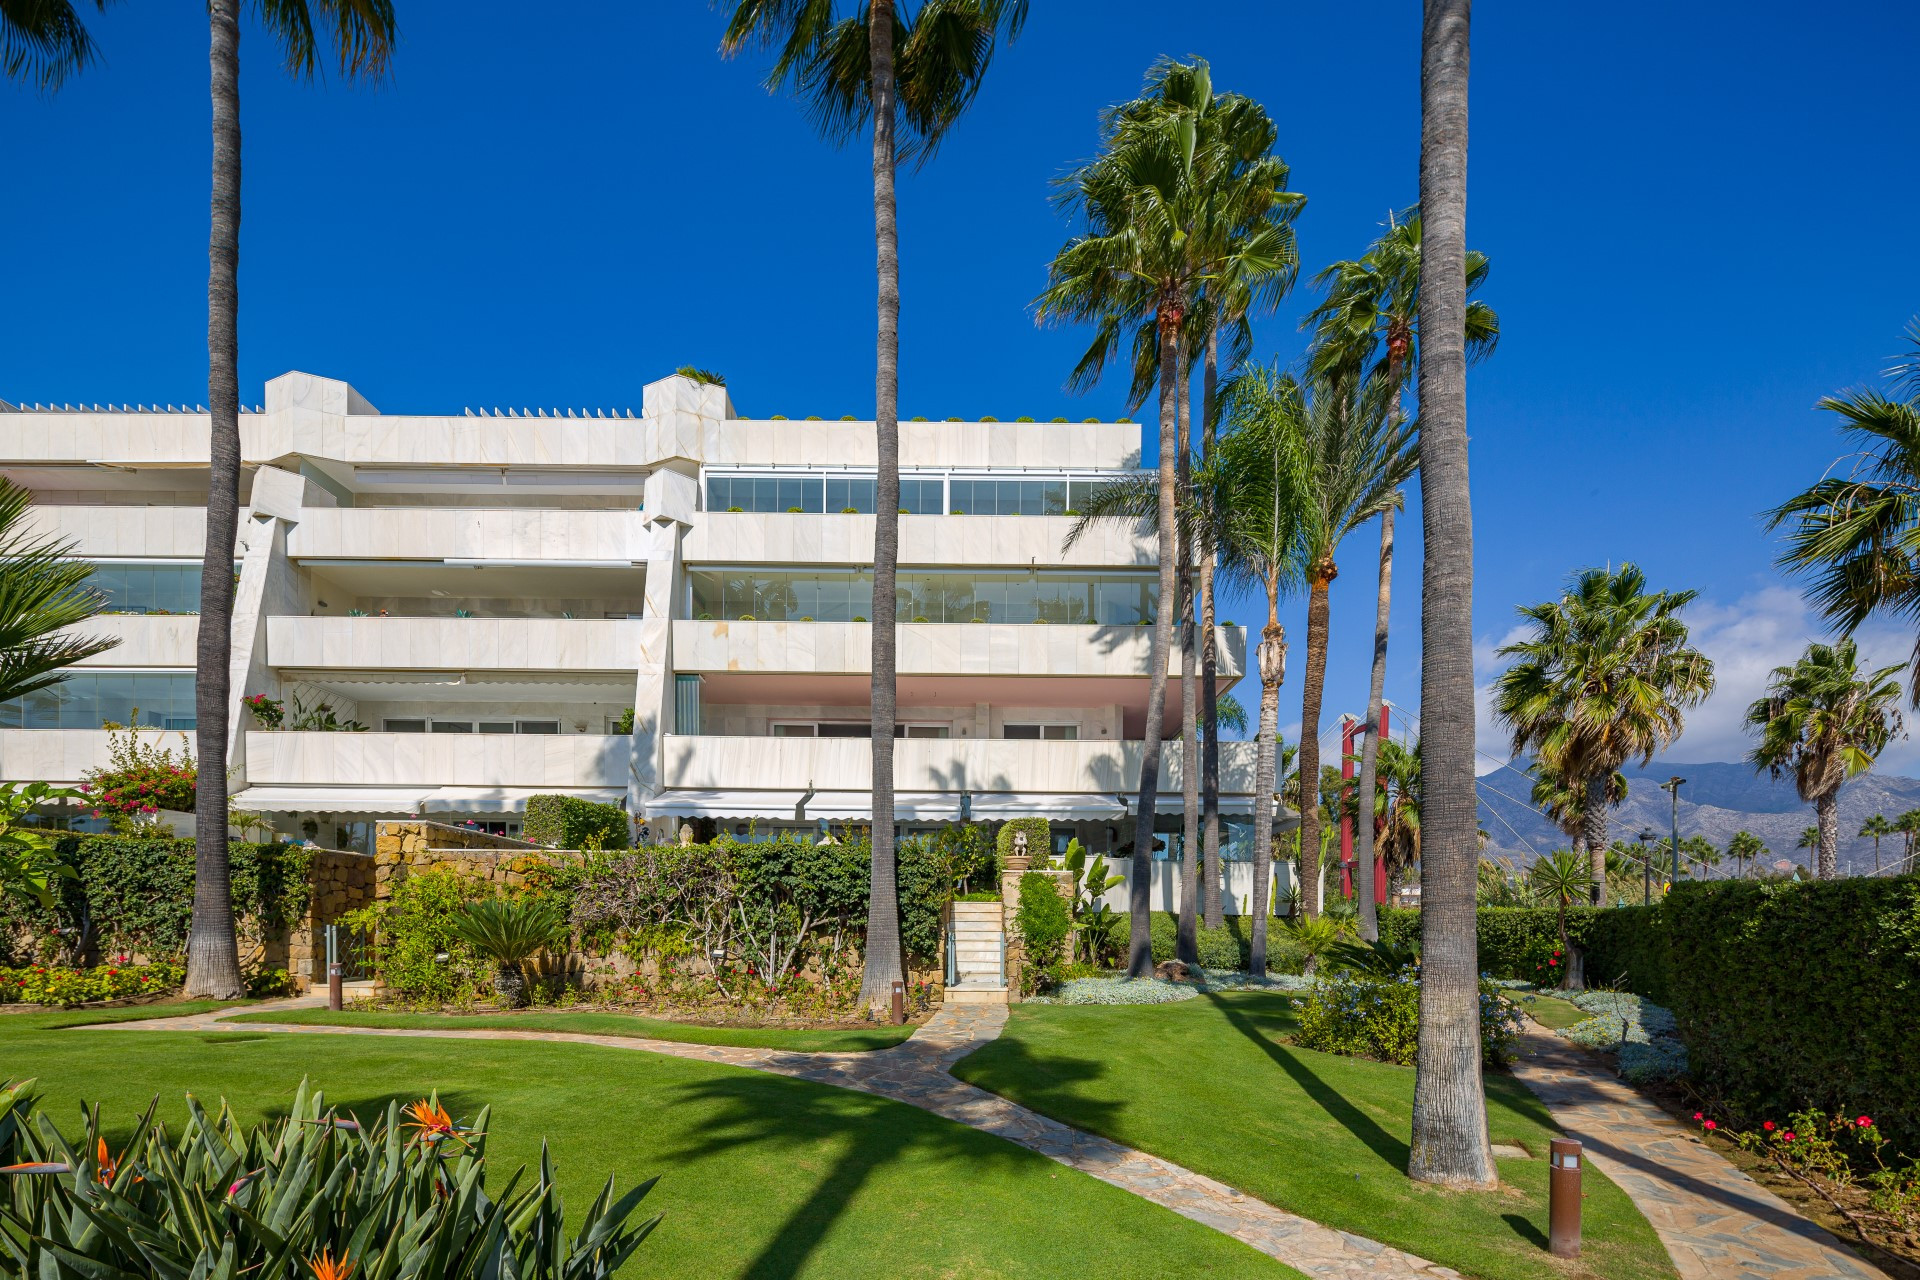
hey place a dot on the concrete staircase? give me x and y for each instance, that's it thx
(978, 943)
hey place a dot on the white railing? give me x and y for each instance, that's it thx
(66, 755)
(934, 648)
(456, 644)
(146, 640)
(471, 533)
(435, 759)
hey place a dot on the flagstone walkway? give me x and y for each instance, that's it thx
(915, 1072)
(1715, 1221)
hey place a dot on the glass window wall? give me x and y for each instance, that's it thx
(86, 700)
(147, 588)
(920, 494)
(1021, 596)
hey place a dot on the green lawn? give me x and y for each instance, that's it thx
(605, 1024)
(1209, 1084)
(1552, 1012)
(50, 1019)
(761, 1176)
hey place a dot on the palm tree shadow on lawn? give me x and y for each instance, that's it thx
(786, 1120)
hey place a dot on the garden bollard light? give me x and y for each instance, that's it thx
(899, 1003)
(336, 992)
(1563, 1198)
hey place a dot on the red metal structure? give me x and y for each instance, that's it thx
(1350, 730)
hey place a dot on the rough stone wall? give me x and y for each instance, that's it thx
(402, 848)
(340, 882)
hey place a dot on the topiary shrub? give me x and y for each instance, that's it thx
(568, 822)
(1510, 938)
(989, 418)
(1023, 419)
(916, 419)
(1056, 419)
(1039, 839)
(1043, 923)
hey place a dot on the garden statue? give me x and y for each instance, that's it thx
(686, 835)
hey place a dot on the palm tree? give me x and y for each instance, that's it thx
(43, 593)
(882, 68)
(1358, 454)
(1857, 536)
(1874, 829)
(1605, 675)
(1561, 878)
(1743, 848)
(1371, 302)
(1908, 825)
(44, 41)
(361, 36)
(1449, 1139)
(1258, 472)
(1399, 795)
(1810, 841)
(1163, 178)
(1567, 806)
(1825, 721)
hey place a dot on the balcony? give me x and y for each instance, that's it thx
(746, 537)
(63, 755)
(483, 534)
(457, 644)
(146, 640)
(934, 649)
(833, 775)
(104, 530)
(565, 761)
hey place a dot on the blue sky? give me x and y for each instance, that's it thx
(1699, 218)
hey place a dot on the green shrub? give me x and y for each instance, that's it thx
(38, 984)
(417, 925)
(509, 932)
(1627, 948)
(1023, 419)
(1370, 1015)
(1039, 839)
(311, 1193)
(1229, 947)
(1043, 922)
(568, 822)
(1509, 936)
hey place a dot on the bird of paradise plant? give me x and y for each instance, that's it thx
(324, 1267)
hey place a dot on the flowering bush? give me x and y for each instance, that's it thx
(38, 984)
(1542, 962)
(141, 777)
(1845, 1156)
(270, 712)
(1370, 1016)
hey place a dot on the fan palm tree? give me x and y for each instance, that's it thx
(1358, 454)
(1810, 841)
(881, 68)
(1874, 829)
(1398, 797)
(1908, 825)
(1561, 878)
(1371, 303)
(44, 41)
(43, 595)
(1606, 674)
(1147, 203)
(1567, 806)
(1743, 848)
(1824, 720)
(1856, 537)
(1449, 1143)
(360, 34)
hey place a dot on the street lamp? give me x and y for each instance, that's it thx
(1646, 870)
(1672, 787)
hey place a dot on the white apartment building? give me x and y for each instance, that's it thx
(489, 593)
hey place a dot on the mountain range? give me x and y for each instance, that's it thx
(1716, 801)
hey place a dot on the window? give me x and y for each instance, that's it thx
(88, 699)
(1041, 732)
(793, 731)
(1068, 596)
(923, 497)
(538, 726)
(453, 726)
(846, 729)
(404, 726)
(921, 730)
(796, 491)
(147, 588)
(983, 497)
(496, 726)
(852, 493)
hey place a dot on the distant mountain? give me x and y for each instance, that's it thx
(1716, 801)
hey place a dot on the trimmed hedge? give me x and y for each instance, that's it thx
(1039, 839)
(1627, 948)
(137, 894)
(1796, 995)
(1509, 934)
(1229, 947)
(568, 822)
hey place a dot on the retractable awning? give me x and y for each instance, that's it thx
(508, 799)
(332, 799)
(908, 806)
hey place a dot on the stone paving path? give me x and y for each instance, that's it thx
(916, 1072)
(1715, 1221)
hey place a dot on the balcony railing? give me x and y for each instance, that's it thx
(517, 534)
(430, 759)
(936, 765)
(63, 755)
(458, 644)
(747, 537)
(146, 640)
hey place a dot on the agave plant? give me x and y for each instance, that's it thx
(509, 932)
(315, 1193)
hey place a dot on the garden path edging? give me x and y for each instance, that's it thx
(916, 1072)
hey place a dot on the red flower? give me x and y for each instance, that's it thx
(113, 973)
(1864, 1122)
(1554, 962)
(1698, 1116)
(1787, 1136)
(1711, 1125)
(1767, 1125)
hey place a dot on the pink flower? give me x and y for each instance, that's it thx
(1698, 1116)
(1711, 1125)
(1787, 1136)
(1864, 1122)
(1767, 1125)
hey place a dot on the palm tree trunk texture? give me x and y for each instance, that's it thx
(1140, 882)
(213, 951)
(1186, 943)
(1598, 889)
(1450, 1143)
(1594, 818)
(1370, 743)
(1826, 815)
(1209, 678)
(1308, 761)
(1272, 658)
(884, 962)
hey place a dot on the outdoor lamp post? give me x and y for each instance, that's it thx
(1672, 787)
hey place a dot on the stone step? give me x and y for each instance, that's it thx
(976, 995)
(977, 931)
(977, 910)
(966, 949)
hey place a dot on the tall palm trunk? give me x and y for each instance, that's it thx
(1826, 815)
(213, 950)
(1594, 828)
(1598, 889)
(1449, 1108)
(884, 962)
(1370, 744)
(1209, 678)
(1140, 882)
(1187, 945)
(1308, 761)
(1273, 669)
